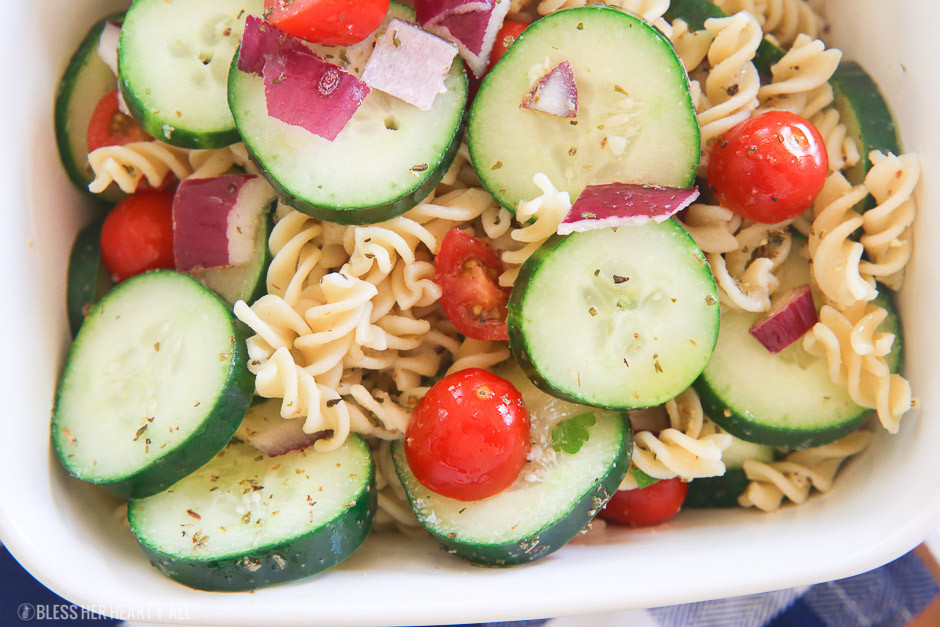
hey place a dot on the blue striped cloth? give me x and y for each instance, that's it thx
(887, 597)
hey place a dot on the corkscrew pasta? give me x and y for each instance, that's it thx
(799, 473)
(836, 257)
(887, 234)
(690, 448)
(151, 161)
(782, 20)
(732, 84)
(838, 336)
(131, 163)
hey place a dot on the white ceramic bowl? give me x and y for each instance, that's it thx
(65, 533)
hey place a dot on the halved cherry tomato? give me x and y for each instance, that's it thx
(468, 272)
(469, 436)
(138, 234)
(327, 22)
(645, 507)
(769, 168)
(110, 127)
(505, 37)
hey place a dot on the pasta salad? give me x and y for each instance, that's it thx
(500, 272)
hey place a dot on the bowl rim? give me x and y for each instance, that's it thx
(893, 535)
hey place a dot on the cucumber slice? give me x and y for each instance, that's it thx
(245, 520)
(530, 519)
(723, 491)
(785, 399)
(88, 278)
(86, 79)
(173, 60)
(247, 281)
(155, 384)
(867, 119)
(388, 158)
(624, 317)
(695, 12)
(633, 94)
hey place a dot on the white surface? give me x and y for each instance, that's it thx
(66, 535)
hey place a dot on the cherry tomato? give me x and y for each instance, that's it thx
(469, 436)
(769, 168)
(110, 127)
(138, 234)
(504, 38)
(468, 272)
(647, 506)
(327, 22)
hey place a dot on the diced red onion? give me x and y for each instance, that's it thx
(264, 429)
(787, 321)
(471, 24)
(556, 93)
(215, 220)
(410, 64)
(261, 40)
(429, 10)
(624, 204)
(302, 89)
(108, 45)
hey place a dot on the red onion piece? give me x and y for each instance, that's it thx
(108, 44)
(787, 321)
(429, 10)
(624, 204)
(410, 64)
(264, 429)
(304, 90)
(469, 27)
(215, 220)
(261, 40)
(471, 24)
(556, 93)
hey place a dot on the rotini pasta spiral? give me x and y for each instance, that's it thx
(800, 79)
(216, 162)
(393, 508)
(835, 257)
(801, 471)
(887, 234)
(742, 255)
(548, 210)
(756, 240)
(127, 165)
(691, 46)
(151, 161)
(751, 290)
(690, 448)
(712, 227)
(320, 338)
(855, 353)
(279, 376)
(781, 20)
(732, 85)
(841, 149)
(785, 20)
(650, 10)
(478, 354)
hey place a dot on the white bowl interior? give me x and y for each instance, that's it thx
(67, 535)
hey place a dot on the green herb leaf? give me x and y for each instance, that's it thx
(643, 480)
(571, 434)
